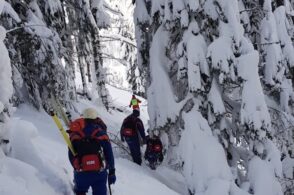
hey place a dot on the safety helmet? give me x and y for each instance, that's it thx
(90, 113)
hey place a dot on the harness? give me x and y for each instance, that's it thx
(86, 140)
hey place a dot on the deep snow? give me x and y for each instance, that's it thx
(39, 164)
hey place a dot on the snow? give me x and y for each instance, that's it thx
(2, 33)
(284, 37)
(254, 111)
(193, 4)
(36, 26)
(1, 107)
(2, 4)
(140, 12)
(17, 177)
(118, 42)
(38, 163)
(6, 87)
(178, 9)
(132, 179)
(288, 167)
(53, 6)
(273, 158)
(162, 106)
(260, 175)
(221, 53)
(196, 56)
(273, 59)
(157, 6)
(206, 170)
(286, 93)
(102, 17)
(215, 99)
(7, 9)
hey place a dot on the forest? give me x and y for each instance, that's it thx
(215, 77)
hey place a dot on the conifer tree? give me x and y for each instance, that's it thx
(205, 80)
(9, 18)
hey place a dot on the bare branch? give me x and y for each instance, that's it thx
(109, 56)
(116, 12)
(120, 38)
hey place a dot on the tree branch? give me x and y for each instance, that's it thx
(120, 38)
(116, 12)
(108, 56)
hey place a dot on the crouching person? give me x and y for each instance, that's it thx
(94, 161)
(153, 154)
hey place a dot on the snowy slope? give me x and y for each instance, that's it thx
(39, 163)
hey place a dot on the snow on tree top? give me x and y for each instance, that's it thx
(254, 111)
(2, 33)
(141, 12)
(193, 4)
(6, 8)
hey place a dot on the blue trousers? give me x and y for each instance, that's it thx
(96, 180)
(135, 149)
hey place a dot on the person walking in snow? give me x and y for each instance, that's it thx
(135, 103)
(153, 153)
(132, 131)
(94, 161)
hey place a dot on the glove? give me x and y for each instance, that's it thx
(111, 176)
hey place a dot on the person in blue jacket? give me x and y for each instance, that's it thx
(93, 162)
(132, 131)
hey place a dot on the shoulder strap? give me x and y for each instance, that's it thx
(77, 125)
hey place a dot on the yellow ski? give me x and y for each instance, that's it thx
(63, 133)
(59, 109)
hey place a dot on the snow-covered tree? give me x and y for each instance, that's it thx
(143, 32)
(61, 35)
(39, 68)
(205, 92)
(119, 48)
(6, 85)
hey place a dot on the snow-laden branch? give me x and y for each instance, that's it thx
(249, 9)
(120, 38)
(24, 26)
(109, 56)
(113, 11)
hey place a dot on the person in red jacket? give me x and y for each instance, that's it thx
(93, 162)
(154, 151)
(135, 103)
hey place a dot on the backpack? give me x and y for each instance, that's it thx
(86, 144)
(156, 148)
(129, 127)
(154, 145)
(154, 152)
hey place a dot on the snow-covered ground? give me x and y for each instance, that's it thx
(39, 164)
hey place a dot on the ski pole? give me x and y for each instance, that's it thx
(110, 193)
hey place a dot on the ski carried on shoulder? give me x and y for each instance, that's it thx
(57, 109)
(63, 132)
(60, 111)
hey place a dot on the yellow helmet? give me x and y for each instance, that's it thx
(90, 113)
